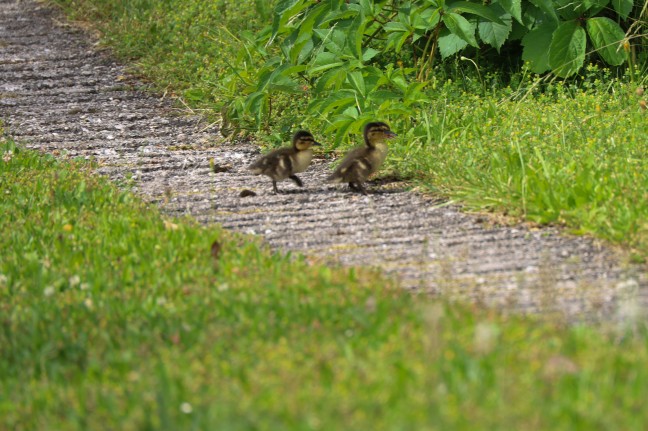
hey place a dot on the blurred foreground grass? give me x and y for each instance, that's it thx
(113, 317)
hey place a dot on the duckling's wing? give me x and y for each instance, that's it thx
(356, 166)
(276, 164)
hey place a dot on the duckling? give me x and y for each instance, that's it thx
(358, 164)
(286, 162)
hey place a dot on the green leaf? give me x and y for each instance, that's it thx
(450, 44)
(460, 27)
(607, 38)
(369, 53)
(536, 47)
(337, 101)
(324, 60)
(332, 79)
(279, 76)
(333, 39)
(380, 96)
(355, 35)
(301, 50)
(475, 9)
(622, 7)
(547, 7)
(514, 8)
(283, 12)
(397, 40)
(340, 126)
(357, 81)
(255, 105)
(567, 49)
(493, 33)
(594, 6)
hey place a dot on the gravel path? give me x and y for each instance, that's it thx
(59, 94)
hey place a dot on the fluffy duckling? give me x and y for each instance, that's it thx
(362, 162)
(286, 162)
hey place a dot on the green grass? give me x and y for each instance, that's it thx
(112, 317)
(566, 153)
(570, 157)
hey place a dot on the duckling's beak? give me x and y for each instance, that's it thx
(317, 143)
(390, 135)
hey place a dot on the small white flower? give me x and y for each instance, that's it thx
(186, 408)
(88, 303)
(49, 291)
(6, 157)
(74, 281)
(3, 279)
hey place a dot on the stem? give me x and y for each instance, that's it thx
(434, 39)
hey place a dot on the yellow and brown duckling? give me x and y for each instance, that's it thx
(286, 162)
(358, 164)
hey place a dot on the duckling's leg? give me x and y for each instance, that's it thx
(358, 187)
(274, 186)
(296, 180)
(361, 188)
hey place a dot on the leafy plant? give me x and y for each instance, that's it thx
(351, 61)
(558, 40)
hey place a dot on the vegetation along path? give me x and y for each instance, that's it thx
(59, 94)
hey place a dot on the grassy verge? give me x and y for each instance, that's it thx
(113, 318)
(560, 153)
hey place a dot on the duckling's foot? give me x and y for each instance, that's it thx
(358, 187)
(274, 187)
(296, 180)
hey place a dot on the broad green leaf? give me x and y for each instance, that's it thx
(333, 39)
(396, 39)
(427, 19)
(336, 101)
(380, 96)
(396, 26)
(324, 58)
(355, 35)
(283, 12)
(367, 7)
(536, 47)
(460, 27)
(278, 74)
(332, 79)
(341, 124)
(607, 37)
(357, 81)
(314, 17)
(255, 104)
(475, 9)
(547, 7)
(622, 7)
(323, 61)
(594, 6)
(333, 18)
(369, 53)
(301, 50)
(569, 10)
(567, 49)
(518, 31)
(398, 79)
(513, 7)
(493, 33)
(450, 43)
